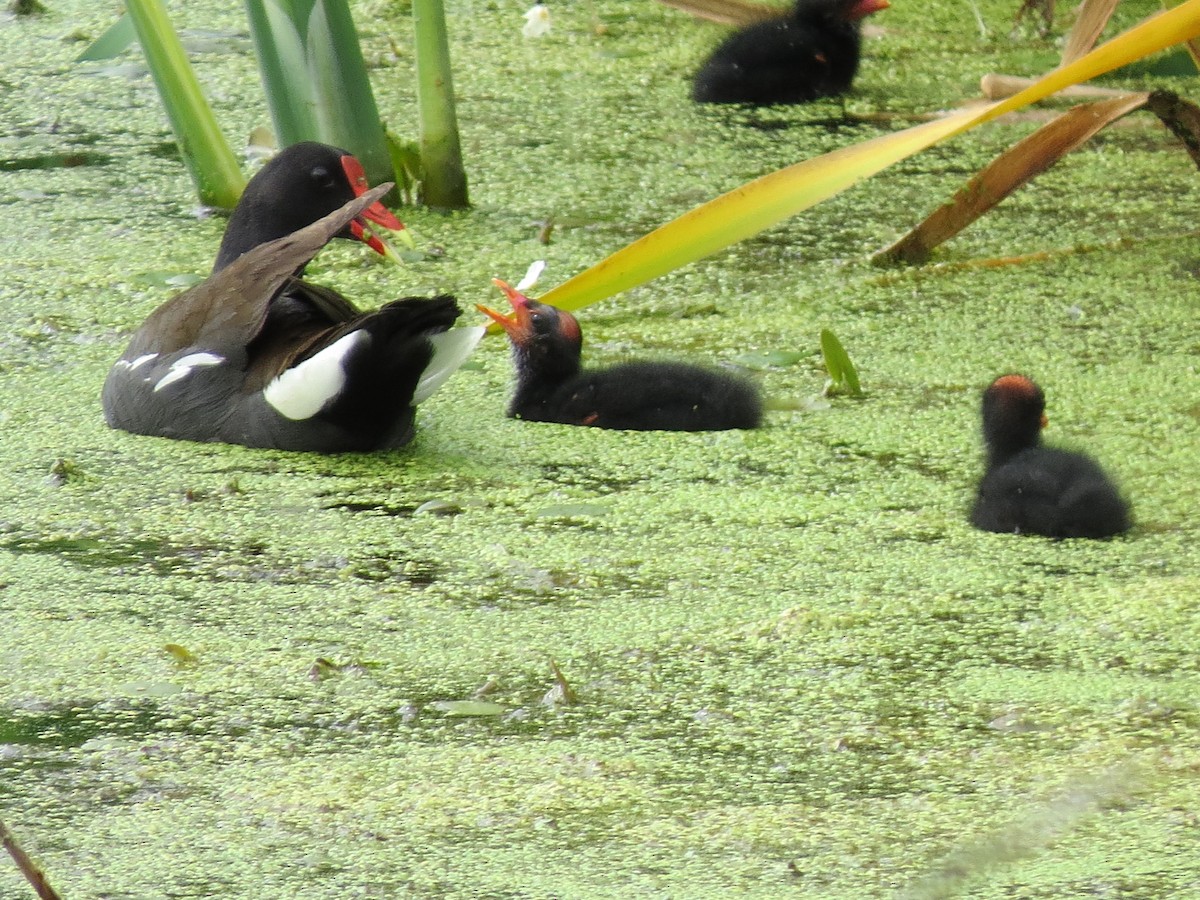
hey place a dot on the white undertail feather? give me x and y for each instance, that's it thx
(302, 391)
(450, 350)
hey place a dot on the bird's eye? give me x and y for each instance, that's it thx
(321, 177)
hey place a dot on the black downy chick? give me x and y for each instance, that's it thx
(635, 396)
(1028, 488)
(812, 52)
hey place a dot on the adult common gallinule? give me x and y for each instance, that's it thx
(637, 396)
(1030, 488)
(254, 355)
(811, 52)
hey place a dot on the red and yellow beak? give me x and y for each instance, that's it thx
(518, 324)
(376, 212)
(863, 8)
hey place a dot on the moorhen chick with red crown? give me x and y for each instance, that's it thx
(1036, 489)
(812, 52)
(636, 396)
(255, 355)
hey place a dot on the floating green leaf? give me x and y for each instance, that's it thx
(464, 708)
(148, 689)
(181, 654)
(437, 508)
(771, 359)
(572, 511)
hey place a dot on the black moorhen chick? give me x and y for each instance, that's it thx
(636, 396)
(811, 52)
(1030, 488)
(254, 355)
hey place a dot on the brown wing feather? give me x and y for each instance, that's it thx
(233, 302)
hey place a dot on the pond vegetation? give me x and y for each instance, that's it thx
(523, 660)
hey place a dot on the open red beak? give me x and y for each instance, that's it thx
(376, 212)
(518, 322)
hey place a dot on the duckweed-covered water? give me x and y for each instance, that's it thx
(798, 671)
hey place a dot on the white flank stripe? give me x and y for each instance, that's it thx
(301, 391)
(203, 358)
(450, 350)
(183, 366)
(142, 360)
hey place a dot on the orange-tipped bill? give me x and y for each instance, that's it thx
(376, 212)
(518, 323)
(863, 8)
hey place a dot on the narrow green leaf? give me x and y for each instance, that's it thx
(283, 65)
(209, 159)
(119, 37)
(346, 106)
(837, 363)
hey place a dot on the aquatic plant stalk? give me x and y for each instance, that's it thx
(315, 79)
(751, 208)
(206, 153)
(34, 875)
(445, 179)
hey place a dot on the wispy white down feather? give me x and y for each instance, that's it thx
(450, 350)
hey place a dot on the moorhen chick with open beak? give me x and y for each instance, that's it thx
(255, 355)
(636, 396)
(811, 52)
(1036, 489)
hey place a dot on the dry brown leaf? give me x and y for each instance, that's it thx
(997, 87)
(1018, 165)
(1181, 116)
(562, 694)
(1093, 16)
(727, 12)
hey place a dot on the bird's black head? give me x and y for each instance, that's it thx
(1013, 415)
(301, 184)
(546, 341)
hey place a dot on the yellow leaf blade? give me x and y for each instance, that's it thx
(751, 208)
